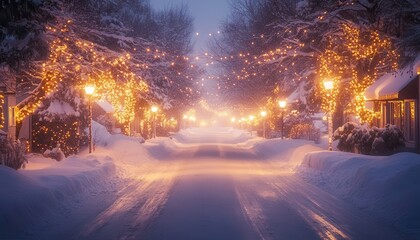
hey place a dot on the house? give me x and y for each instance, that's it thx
(396, 97)
(7, 107)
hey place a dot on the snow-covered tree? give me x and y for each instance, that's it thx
(356, 57)
(114, 44)
(277, 44)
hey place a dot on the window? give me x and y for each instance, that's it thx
(396, 114)
(410, 121)
(384, 117)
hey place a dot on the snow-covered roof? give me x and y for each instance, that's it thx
(106, 106)
(388, 86)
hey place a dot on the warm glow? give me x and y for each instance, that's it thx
(328, 84)
(2, 120)
(251, 118)
(89, 89)
(354, 60)
(263, 113)
(282, 104)
(154, 109)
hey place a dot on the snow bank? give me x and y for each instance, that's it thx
(387, 186)
(32, 192)
(273, 148)
(100, 136)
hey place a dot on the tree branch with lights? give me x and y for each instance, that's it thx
(357, 56)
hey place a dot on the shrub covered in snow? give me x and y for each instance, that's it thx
(12, 153)
(301, 126)
(373, 141)
(305, 131)
(55, 153)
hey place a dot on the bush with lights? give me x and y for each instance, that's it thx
(60, 121)
(1, 111)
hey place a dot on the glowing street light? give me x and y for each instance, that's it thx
(263, 115)
(282, 105)
(154, 110)
(329, 85)
(89, 90)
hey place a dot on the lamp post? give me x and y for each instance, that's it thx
(263, 115)
(282, 105)
(329, 85)
(154, 110)
(89, 90)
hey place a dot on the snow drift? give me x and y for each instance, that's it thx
(387, 186)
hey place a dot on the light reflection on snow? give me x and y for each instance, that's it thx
(329, 231)
(141, 199)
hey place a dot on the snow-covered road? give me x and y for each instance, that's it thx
(226, 192)
(209, 186)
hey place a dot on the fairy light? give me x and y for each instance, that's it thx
(51, 75)
(114, 74)
(62, 132)
(364, 48)
(359, 57)
(330, 66)
(1, 111)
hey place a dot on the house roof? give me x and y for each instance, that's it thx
(389, 85)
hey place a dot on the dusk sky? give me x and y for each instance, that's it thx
(208, 14)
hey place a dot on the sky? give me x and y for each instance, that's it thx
(207, 14)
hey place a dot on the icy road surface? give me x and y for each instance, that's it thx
(210, 187)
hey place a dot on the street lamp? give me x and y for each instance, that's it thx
(263, 115)
(89, 90)
(154, 110)
(233, 121)
(282, 105)
(329, 85)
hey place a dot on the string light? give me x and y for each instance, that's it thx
(1, 111)
(62, 133)
(366, 48)
(359, 56)
(330, 65)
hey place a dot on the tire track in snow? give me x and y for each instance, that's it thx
(253, 213)
(310, 211)
(135, 206)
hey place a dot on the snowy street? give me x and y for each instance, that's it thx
(209, 120)
(229, 193)
(196, 188)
